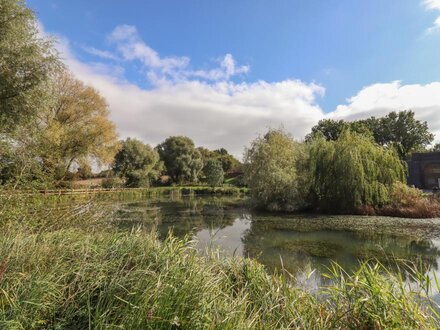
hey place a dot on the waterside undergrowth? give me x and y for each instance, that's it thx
(68, 267)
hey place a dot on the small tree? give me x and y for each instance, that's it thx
(137, 163)
(214, 173)
(274, 171)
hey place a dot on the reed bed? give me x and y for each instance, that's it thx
(70, 269)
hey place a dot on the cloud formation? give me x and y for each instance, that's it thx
(223, 114)
(380, 99)
(165, 70)
(433, 5)
(215, 111)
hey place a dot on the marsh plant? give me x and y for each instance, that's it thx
(66, 267)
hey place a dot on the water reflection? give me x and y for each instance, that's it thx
(300, 243)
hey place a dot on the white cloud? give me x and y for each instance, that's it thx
(214, 114)
(171, 69)
(222, 113)
(433, 5)
(380, 99)
(100, 53)
(131, 46)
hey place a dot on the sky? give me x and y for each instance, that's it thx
(223, 72)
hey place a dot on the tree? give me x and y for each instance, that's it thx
(26, 63)
(229, 162)
(401, 130)
(398, 129)
(137, 163)
(352, 171)
(275, 173)
(76, 127)
(182, 160)
(329, 129)
(214, 173)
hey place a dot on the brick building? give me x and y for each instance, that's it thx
(424, 170)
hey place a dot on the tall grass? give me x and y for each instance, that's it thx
(83, 274)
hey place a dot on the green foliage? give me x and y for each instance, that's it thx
(76, 127)
(214, 173)
(400, 130)
(112, 182)
(63, 268)
(275, 173)
(351, 172)
(137, 163)
(84, 171)
(229, 162)
(26, 62)
(20, 165)
(183, 162)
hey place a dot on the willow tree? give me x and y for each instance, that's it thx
(274, 171)
(351, 172)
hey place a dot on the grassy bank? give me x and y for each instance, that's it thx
(69, 268)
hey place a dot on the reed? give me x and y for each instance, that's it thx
(68, 269)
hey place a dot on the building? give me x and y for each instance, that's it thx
(424, 170)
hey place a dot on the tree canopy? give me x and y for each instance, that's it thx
(214, 173)
(26, 63)
(400, 130)
(273, 168)
(76, 127)
(351, 172)
(182, 160)
(137, 163)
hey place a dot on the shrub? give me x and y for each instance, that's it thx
(112, 182)
(410, 202)
(401, 195)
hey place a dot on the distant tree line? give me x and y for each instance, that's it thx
(54, 128)
(175, 161)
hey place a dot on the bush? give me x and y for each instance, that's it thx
(112, 182)
(410, 202)
(401, 195)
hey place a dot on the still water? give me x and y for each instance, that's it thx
(304, 245)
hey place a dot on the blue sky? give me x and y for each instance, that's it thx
(338, 49)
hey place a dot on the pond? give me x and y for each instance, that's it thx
(304, 245)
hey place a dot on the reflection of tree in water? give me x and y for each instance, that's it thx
(181, 215)
(303, 251)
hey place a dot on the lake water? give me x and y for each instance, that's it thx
(304, 245)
